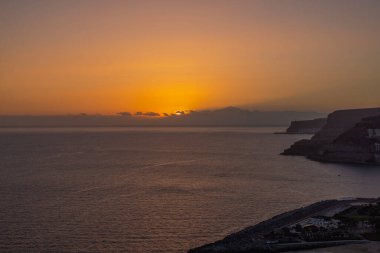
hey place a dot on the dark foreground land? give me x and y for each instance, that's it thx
(369, 247)
(322, 224)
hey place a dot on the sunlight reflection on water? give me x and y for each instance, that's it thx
(154, 189)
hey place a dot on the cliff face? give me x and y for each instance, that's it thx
(306, 126)
(360, 144)
(337, 124)
(340, 121)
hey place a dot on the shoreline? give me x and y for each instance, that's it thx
(255, 238)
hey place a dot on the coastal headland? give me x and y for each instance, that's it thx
(305, 126)
(349, 136)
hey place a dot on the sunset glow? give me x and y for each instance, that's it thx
(143, 126)
(62, 57)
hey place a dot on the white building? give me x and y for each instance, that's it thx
(319, 222)
(373, 133)
(377, 147)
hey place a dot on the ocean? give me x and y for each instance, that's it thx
(154, 189)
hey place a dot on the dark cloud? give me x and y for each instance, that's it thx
(148, 114)
(166, 114)
(124, 113)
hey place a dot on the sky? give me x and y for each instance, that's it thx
(104, 57)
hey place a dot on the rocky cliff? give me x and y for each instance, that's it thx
(337, 123)
(359, 144)
(306, 126)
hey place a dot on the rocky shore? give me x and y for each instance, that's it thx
(348, 136)
(322, 224)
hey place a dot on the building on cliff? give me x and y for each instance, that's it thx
(348, 136)
(377, 147)
(359, 144)
(373, 133)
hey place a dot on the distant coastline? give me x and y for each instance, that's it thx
(225, 117)
(306, 126)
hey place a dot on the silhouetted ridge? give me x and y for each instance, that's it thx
(359, 144)
(306, 126)
(331, 142)
(229, 116)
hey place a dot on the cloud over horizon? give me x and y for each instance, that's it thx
(124, 113)
(148, 114)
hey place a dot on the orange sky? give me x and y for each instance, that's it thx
(60, 57)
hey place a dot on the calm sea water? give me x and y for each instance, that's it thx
(154, 189)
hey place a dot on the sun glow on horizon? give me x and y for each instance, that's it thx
(170, 98)
(105, 57)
